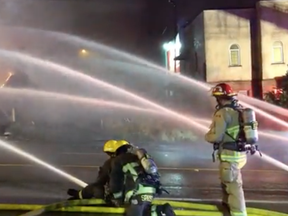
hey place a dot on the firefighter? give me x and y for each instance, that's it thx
(134, 181)
(226, 133)
(99, 189)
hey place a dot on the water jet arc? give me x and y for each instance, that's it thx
(145, 62)
(97, 82)
(31, 157)
(207, 122)
(56, 96)
(90, 79)
(59, 96)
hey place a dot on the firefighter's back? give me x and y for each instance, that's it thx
(131, 168)
(231, 117)
(228, 148)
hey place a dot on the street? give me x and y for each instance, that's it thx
(186, 172)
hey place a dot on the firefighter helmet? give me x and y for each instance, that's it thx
(109, 146)
(223, 89)
(121, 143)
(112, 146)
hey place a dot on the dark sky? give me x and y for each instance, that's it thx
(134, 25)
(187, 9)
(161, 14)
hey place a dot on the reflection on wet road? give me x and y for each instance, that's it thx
(185, 171)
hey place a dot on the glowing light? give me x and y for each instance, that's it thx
(7, 79)
(172, 50)
(172, 45)
(83, 52)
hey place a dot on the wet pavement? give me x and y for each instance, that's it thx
(273, 207)
(187, 171)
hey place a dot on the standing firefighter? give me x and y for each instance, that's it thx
(233, 133)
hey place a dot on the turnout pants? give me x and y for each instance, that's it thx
(140, 204)
(231, 181)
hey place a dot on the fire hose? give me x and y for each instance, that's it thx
(90, 206)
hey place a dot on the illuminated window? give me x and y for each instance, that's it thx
(278, 56)
(234, 52)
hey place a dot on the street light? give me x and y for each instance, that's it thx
(175, 10)
(173, 47)
(83, 52)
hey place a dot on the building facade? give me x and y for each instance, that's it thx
(246, 48)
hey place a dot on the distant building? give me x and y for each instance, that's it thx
(247, 48)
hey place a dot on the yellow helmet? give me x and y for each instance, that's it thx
(121, 143)
(109, 146)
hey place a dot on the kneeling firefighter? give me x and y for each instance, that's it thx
(234, 134)
(100, 189)
(134, 181)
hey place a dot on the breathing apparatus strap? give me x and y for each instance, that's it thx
(234, 146)
(239, 144)
(215, 149)
(241, 136)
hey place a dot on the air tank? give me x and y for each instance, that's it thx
(250, 126)
(147, 162)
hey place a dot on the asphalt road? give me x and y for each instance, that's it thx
(273, 207)
(187, 171)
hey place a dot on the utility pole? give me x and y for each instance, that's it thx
(175, 16)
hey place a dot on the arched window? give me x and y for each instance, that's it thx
(234, 55)
(278, 56)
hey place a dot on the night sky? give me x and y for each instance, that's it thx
(138, 26)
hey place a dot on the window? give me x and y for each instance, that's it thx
(234, 55)
(278, 56)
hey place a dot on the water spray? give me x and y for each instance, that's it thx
(265, 114)
(259, 111)
(71, 72)
(266, 134)
(58, 96)
(160, 68)
(273, 136)
(268, 158)
(98, 82)
(268, 106)
(198, 83)
(274, 162)
(31, 157)
(145, 62)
